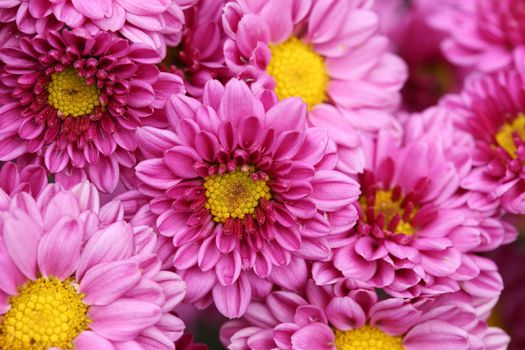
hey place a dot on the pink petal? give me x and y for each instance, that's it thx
(344, 313)
(88, 340)
(232, 301)
(436, 335)
(239, 102)
(94, 9)
(99, 283)
(181, 161)
(123, 319)
(313, 336)
(154, 172)
(59, 250)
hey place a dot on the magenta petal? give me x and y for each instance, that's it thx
(151, 7)
(22, 235)
(436, 335)
(123, 319)
(232, 301)
(333, 190)
(99, 283)
(289, 114)
(313, 336)
(228, 268)
(88, 340)
(59, 250)
(94, 9)
(154, 172)
(104, 174)
(239, 102)
(344, 313)
(181, 161)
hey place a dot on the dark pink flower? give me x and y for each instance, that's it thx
(156, 23)
(328, 53)
(415, 234)
(481, 34)
(245, 191)
(347, 317)
(31, 179)
(75, 102)
(491, 111)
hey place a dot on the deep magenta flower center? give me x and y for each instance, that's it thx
(47, 313)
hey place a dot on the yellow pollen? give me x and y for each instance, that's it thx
(71, 95)
(505, 135)
(46, 313)
(389, 208)
(234, 195)
(367, 338)
(298, 71)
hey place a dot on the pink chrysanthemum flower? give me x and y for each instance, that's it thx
(156, 23)
(491, 110)
(430, 74)
(346, 317)
(76, 102)
(414, 231)
(326, 52)
(481, 34)
(245, 191)
(76, 276)
(200, 56)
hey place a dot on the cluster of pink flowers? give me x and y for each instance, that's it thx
(324, 174)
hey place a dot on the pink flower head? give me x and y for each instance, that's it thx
(245, 191)
(414, 231)
(491, 110)
(200, 56)
(481, 34)
(326, 52)
(347, 317)
(76, 102)
(156, 23)
(91, 276)
(430, 75)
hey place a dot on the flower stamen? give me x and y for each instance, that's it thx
(367, 338)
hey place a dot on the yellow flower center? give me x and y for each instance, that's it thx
(234, 195)
(46, 313)
(367, 338)
(505, 135)
(298, 71)
(389, 207)
(71, 95)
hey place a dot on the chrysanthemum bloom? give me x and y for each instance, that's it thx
(491, 110)
(430, 74)
(75, 276)
(31, 179)
(481, 34)
(76, 102)
(200, 56)
(156, 23)
(326, 52)
(413, 232)
(245, 190)
(348, 318)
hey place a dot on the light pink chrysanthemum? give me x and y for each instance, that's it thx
(346, 317)
(491, 110)
(156, 23)
(76, 102)
(481, 34)
(414, 231)
(245, 191)
(326, 52)
(91, 276)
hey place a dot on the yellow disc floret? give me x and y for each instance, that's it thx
(46, 313)
(389, 207)
(505, 136)
(71, 95)
(298, 71)
(367, 338)
(234, 195)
